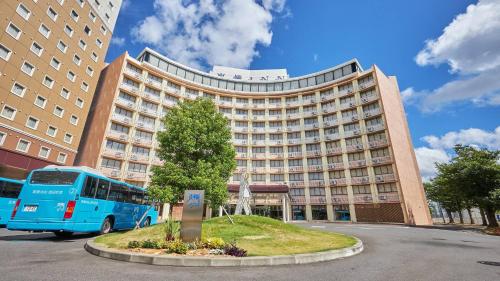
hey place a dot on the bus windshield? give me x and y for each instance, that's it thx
(54, 177)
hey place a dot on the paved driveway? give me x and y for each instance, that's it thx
(391, 253)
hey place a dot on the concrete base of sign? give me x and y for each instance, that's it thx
(102, 251)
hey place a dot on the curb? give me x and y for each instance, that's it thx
(119, 255)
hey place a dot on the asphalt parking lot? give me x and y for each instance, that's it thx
(391, 253)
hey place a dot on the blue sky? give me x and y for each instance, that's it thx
(307, 36)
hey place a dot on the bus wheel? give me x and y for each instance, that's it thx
(107, 226)
(63, 234)
(147, 222)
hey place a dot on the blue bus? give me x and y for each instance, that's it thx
(9, 191)
(65, 200)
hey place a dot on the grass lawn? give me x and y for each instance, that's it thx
(260, 236)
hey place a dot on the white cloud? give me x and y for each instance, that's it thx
(470, 45)
(118, 41)
(125, 4)
(209, 32)
(315, 57)
(439, 149)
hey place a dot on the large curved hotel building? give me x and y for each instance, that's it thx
(332, 145)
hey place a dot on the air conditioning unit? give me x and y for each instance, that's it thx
(140, 125)
(133, 157)
(118, 154)
(359, 147)
(323, 98)
(382, 197)
(352, 104)
(376, 161)
(364, 100)
(334, 182)
(325, 110)
(354, 118)
(244, 142)
(254, 142)
(126, 121)
(349, 91)
(312, 101)
(314, 113)
(370, 129)
(316, 139)
(130, 176)
(315, 126)
(368, 114)
(356, 132)
(379, 178)
(362, 86)
(130, 105)
(137, 140)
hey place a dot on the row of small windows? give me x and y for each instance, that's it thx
(117, 164)
(24, 146)
(342, 190)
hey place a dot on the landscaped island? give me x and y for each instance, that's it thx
(259, 236)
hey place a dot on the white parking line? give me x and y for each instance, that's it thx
(318, 226)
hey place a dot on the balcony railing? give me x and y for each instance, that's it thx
(326, 97)
(377, 143)
(136, 175)
(310, 113)
(381, 160)
(298, 199)
(375, 128)
(258, 155)
(316, 183)
(293, 141)
(350, 119)
(314, 199)
(240, 142)
(360, 180)
(276, 155)
(258, 142)
(150, 96)
(139, 157)
(311, 126)
(293, 116)
(328, 109)
(373, 112)
(133, 73)
(294, 154)
(385, 178)
(369, 98)
(312, 139)
(335, 166)
(176, 91)
(118, 135)
(129, 88)
(295, 168)
(275, 117)
(357, 163)
(143, 141)
(363, 198)
(313, 153)
(345, 92)
(389, 197)
(314, 168)
(275, 105)
(126, 103)
(109, 172)
(153, 83)
(348, 105)
(275, 129)
(356, 132)
(340, 199)
(333, 150)
(114, 153)
(275, 142)
(241, 155)
(276, 170)
(149, 111)
(330, 122)
(357, 147)
(121, 118)
(147, 126)
(297, 184)
(335, 136)
(241, 129)
(170, 102)
(293, 128)
(366, 85)
(336, 182)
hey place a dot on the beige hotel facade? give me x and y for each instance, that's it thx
(332, 145)
(51, 55)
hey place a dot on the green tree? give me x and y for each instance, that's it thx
(197, 152)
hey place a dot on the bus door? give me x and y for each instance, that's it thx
(88, 206)
(118, 194)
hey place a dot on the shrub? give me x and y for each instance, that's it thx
(232, 250)
(172, 229)
(213, 243)
(134, 244)
(151, 244)
(177, 247)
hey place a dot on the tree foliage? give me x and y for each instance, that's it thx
(471, 178)
(197, 152)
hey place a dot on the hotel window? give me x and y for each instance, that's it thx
(90, 71)
(73, 120)
(58, 111)
(3, 136)
(32, 123)
(92, 17)
(114, 145)
(297, 192)
(258, 163)
(40, 101)
(52, 13)
(74, 15)
(276, 163)
(144, 151)
(296, 177)
(143, 135)
(340, 190)
(315, 176)
(356, 173)
(13, 31)
(82, 44)
(127, 97)
(87, 30)
(23, 145)
(68, 138)
(79, 102)
(68, 30)
(103, 30)
(84, 86)
(62, 46)
(277, 178)
(123, 112)
(8, 112)
(61, 158)
(314, 161)
(295, 148)
(44, 152)
(383, 170)
(146, 120)
(52, 131)
(380, 152)
(48, 82)
(317, 191)
(44, 30)
(387, 187)
(18, 89)
(76, 59)
(23, 11)
(137, 168)
(361, 189)
(5, 52)
(259, 177)
(354, 142)
(336, 174)
(65, 93)
(36, 49)
(119, 128)
(28, 68)
(258, 150)
(71, 76)
(98, 42)
(294, 162)
(94, 57)
(337, 159)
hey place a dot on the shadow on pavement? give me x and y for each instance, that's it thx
(44, 236)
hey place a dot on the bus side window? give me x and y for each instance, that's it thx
(102, 189)
(116, 192)
(127, 194)
(90, 187)
(9, 189)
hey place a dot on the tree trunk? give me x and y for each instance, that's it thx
(442, 214)
(490, 213)
(483, 217)
(450, 217)
(470, 216)
(461, 216)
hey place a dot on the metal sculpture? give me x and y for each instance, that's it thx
(244, 197)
